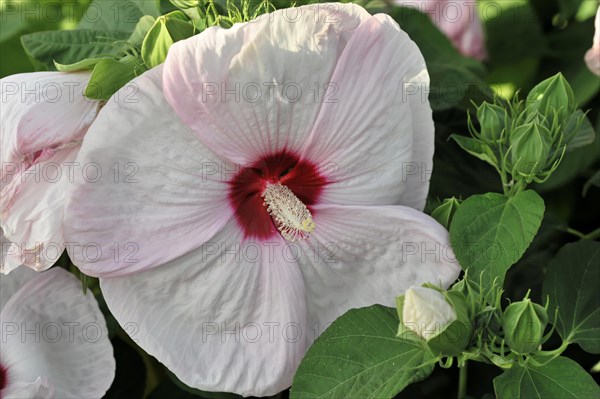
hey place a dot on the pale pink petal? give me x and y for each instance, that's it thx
(592, 57)
(44, 118)
(256, 88)
(458, 19)
(34, 221)
(146, 190)
(66, 343)
(358, 256)
(229, 316)
(10, 284)
(8, 262)
(377, 136)
(40, 111)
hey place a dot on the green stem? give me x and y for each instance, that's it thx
(462, 381)
(517, 188)
(590, 236)
(504, 181)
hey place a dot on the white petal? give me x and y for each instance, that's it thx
(359, 256)
(256, 88)
(52, 330)
(426, 311)
(41, 388)
(42, 110)
(44, 117)
(34, 221)
(229, 316)
(376, 135)
(10, 284)
(147, 190)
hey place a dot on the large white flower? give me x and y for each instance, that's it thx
(271, 179)
(43, 120)
(54, 338)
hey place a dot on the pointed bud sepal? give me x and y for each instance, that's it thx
(457, 335)
(492, 120)
(167, 29)
(445, 212)
(524, 323)
(530, 146)
(553, 98)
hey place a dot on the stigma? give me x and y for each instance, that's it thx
(291, 217)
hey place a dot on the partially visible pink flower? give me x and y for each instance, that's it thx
(43, 120)
(54, 338)
(278, 170)
(458, 19)
(592, 57)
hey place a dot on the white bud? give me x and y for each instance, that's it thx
(426, 312)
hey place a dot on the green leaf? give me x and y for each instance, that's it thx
(585, 134)
(560, 378)
(141, 30)
(490, 232)
(120, 15)
(359, 356)
(476, 148)
(68, 47)
(513, 31)
(593, 181)
(82, 65)
(454, 77)
(515, 43)
(12, 24)
(108, 77)
(572, 282)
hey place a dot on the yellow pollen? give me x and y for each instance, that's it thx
(291, 216)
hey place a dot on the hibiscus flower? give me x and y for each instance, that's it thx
(277, 170)
(54, 338)
(43, 120)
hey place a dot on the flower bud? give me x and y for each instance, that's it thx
(524, 324)
(183, 4)
(492, 120)
(438, 318)
(445, 212)
(167, 29)
(530, 147)
(552, 95)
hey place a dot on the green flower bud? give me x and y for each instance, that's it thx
(530, 147)
(167, 29)
(552, 95)
(445, 212)
(183, 4)
(524, 324)
(492, 120)
(439, 319)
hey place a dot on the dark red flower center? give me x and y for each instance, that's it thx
(245, 189)
(3, 378)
